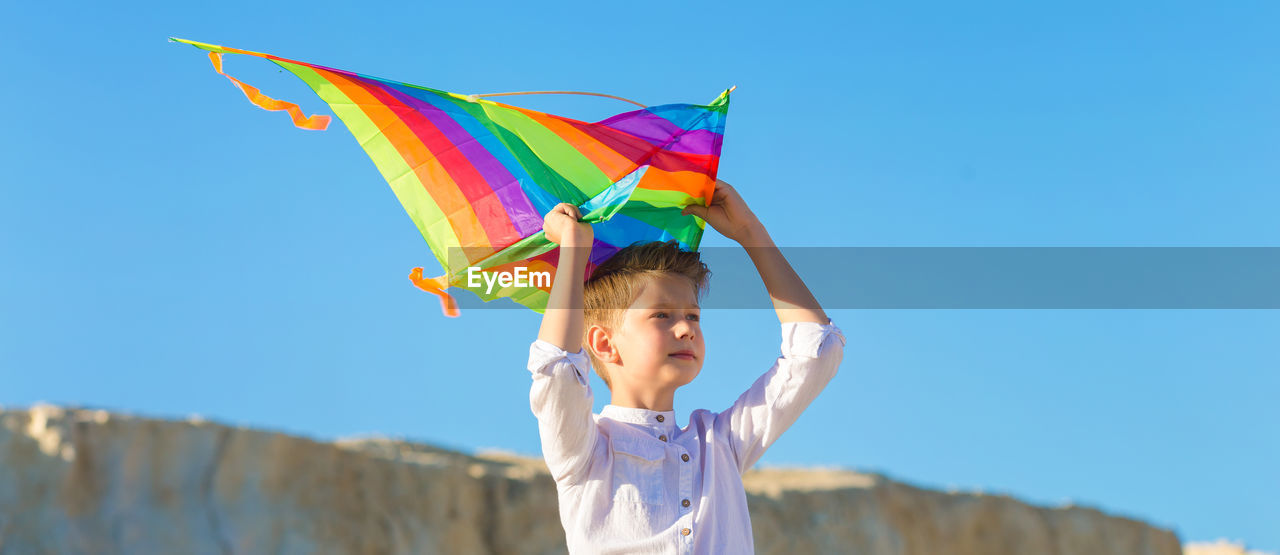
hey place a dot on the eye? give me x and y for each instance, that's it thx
(695, 317)
(659, 314)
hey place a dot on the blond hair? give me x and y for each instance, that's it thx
(618, 281)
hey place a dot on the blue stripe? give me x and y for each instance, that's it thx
(686, 116)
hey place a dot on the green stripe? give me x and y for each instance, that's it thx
(201, 45)
(523, 249)
(544, 177)
(425, 213)
(552, 149)
(684, 228)
(720, 104)
(535, 299)
(665, 198)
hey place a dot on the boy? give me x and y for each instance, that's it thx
(629, 480)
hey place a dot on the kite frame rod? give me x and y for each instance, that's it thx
(559, 92)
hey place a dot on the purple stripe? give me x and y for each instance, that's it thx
(698, 141)
(657, 130)
(513, 198)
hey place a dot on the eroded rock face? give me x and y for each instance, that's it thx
(82, 481)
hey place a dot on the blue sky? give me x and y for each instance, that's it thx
(171, 250)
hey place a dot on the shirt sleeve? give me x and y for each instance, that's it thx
(811, 352)
(561, 399)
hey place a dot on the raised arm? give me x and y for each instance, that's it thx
(560, 395)
(562, 322)
(812, 347)
(729, 215)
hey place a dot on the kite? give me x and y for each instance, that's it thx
(477, 176)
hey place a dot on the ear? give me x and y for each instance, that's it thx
(602, 345)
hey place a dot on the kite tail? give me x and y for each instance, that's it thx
(317, 122)
(436, 286)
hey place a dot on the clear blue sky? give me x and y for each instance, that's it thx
(169, 249)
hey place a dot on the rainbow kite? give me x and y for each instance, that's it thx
(477, 176)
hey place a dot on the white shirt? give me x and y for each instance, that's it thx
(630, 481)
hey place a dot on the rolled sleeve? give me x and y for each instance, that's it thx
(542, 355)
(561, 399)
(811, 353)
(807, 338)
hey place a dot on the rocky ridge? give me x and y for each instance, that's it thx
(90, 481)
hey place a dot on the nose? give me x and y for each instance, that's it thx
(686, 329)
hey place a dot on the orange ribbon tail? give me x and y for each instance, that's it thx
(436, 286)
(317, 122)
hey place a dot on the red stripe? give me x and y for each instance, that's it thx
(640, 151)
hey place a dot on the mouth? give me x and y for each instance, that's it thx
(683, 355)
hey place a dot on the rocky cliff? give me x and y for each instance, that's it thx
(83, 481)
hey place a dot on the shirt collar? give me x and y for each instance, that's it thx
(646, 417)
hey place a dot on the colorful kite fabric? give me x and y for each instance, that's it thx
(477, 176)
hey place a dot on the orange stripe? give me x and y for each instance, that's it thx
(430, 173)
(696, 184)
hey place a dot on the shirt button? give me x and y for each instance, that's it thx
(662, 437)
(685, 531)
(685, 503)
(684, 457)
(660, 418)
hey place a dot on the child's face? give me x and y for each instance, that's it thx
(660, 340)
